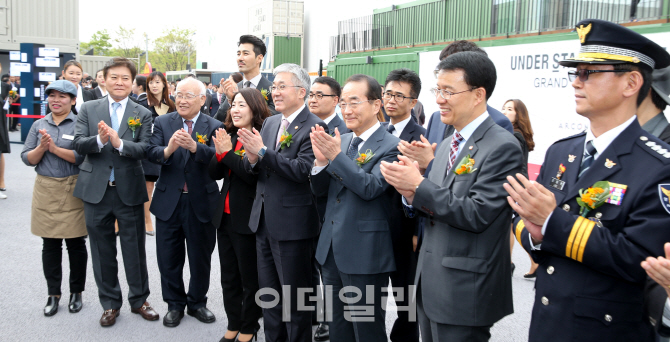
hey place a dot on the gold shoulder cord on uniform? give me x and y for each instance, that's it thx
(519, 229)
(579, 236)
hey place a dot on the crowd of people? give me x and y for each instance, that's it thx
(319, 212)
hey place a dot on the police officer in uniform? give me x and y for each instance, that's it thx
(590, 286)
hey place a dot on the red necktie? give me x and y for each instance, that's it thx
(455, 141)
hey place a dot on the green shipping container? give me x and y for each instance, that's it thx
(287, 50)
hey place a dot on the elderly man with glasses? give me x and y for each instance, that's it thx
(184, 201)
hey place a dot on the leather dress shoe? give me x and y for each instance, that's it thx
(75, 303)
(109, 317)
(203, 315)
(52, 306)
(146, 311)
(173, 318)
(322, 332)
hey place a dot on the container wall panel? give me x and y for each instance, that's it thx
(287, 50)
(92, 64)
(45, 22)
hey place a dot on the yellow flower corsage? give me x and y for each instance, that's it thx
(133, 123)
(467, 165)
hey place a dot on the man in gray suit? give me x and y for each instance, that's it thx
(111, 184)
(355, 248)
(462, 277)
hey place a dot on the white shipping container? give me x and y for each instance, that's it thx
(277, 18)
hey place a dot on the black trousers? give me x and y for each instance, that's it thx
(404, 329)
(200, 239)
(317, 277)
(239, 277)
(284, 264)
(52, 254)
(361, 320)
(100, 219)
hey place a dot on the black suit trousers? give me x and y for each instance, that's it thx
(239, 277)
(200, 241)
(100, 219)
(284, 263)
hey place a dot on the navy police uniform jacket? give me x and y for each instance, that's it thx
(590, 285)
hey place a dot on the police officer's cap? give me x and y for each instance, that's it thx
(604, 42)
(62, 86)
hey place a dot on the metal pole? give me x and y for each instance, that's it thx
(146, 41)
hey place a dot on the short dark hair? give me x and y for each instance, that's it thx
(259, 46)
(478, 70)
(258, 106)
(407, 76)
(177, 80)
(647, 78)
(657, 100)
(460, 46)
(332, 83)
(374, 89)
(120, 62)
(88, 78)
(141, 82)
(4, 78)
(96, 73)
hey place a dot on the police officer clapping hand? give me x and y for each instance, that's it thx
(658, 269)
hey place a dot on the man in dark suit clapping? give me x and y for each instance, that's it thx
(184, 202)
(284, 215)
(463, 282)
(355, 247)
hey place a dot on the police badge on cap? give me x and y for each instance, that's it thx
(604, 42)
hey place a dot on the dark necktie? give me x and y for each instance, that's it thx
(247, 84)
(455, 142)
(587, 160)
(390, 128)
(189, 124)
(353, 148)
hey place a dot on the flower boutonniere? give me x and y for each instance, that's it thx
(265, 94)
(465, 166)
(133, 123)
(364, 158)
(593, 197)
(241, 153)
(201, 138)
(285, 139)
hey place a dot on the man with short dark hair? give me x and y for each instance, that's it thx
(462, 277)
(401, 92)
(111, 184)
(250, 53)
(599, 206)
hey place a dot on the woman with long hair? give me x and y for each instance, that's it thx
(517, 113)
(237, 243)
(158, 102)
(73, 72)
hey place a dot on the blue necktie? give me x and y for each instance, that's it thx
(115, 126)
(587, 160)
(353, 148)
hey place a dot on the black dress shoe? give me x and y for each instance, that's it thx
(203, 315)
(173, 318)
(224, 339)
(52, 306)
(322, 333)
(75, 303)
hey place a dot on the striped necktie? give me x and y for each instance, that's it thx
(587, 160)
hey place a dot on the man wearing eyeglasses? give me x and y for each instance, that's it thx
(462, 279)
(184, 201)
(600, 204)
(402, 89)
(284, 215)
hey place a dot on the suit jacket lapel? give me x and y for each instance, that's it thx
(344, 146)
(294, 126)
(406, 133)
(272, 130)
(131, 111)
(104, 113)
(571, 169)
(373, 143)
(469, 147)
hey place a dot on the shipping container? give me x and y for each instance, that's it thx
(280, 24)
(92, 64)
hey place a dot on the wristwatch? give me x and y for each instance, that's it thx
(261, 152)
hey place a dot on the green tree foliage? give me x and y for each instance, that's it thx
(170, 51)
(100, 43)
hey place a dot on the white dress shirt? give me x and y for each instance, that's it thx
(119, 117)
(254, 81)
(330, 118)
(399, 127)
